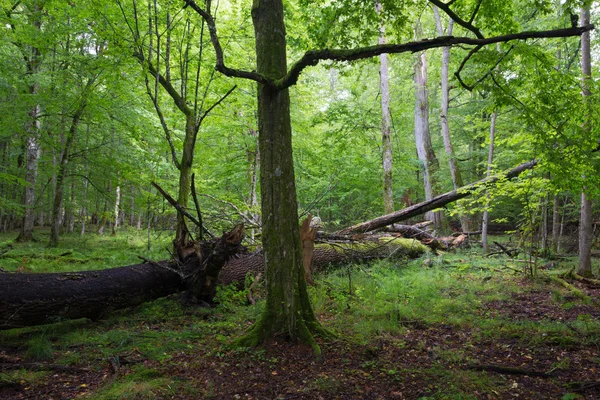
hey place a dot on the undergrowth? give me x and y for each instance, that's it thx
(362, 304)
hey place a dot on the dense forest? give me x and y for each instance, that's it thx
(293, 168)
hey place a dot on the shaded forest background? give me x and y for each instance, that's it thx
(86, 126)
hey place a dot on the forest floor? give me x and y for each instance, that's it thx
(421, 329)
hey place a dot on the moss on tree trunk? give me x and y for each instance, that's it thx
(288, 311)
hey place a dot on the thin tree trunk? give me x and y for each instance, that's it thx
(555, 224)
(586, 225)
(436, 202)
(455, 174)
(62, 168)
(132, 205)
(117, 209)
(544, 235)
(32, 56)
(32, 154)
(254, 161)
(486, 216)
(386, 142)
(427, 159)
(103, 219)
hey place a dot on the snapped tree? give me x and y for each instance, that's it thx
(288, 309)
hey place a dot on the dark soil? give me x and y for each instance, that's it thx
(421, 362)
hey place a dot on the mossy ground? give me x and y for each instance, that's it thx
(405, 330)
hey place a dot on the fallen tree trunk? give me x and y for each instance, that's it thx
(235, 271)
(436, 202)
(35, 299)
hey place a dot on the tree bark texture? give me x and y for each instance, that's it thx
(556, 223)
(436, 202)
(486, 216)
(287, 309)
(586, 225)
(386, 142)
(33, 59)
(34, 299)
(427, 159)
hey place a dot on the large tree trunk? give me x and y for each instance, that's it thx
(586, 225)
(436, 202)
(287, 309)
(34, 299)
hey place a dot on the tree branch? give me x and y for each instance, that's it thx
(177, 98)
(220, 63)
(464, 62)
(216, 104)
(177, 206)
(313, 57)
(445, 7)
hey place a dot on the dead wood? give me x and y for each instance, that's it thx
(467, 233)
(505, 250)
(332, 253)
(436, 202)
(5, 366)
(589, 281)
(508, 370)
(28, 299)
(568, 286)
(307, 236)
(579, 387)
(177, 206)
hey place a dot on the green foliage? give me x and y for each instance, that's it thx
(39, 348)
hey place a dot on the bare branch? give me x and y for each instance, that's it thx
(216, 104)
(467, 25)
(177, 99)
(488, 73)
(462, 65)
(475, 11)
(313, 57)
(220, 63)
(177, 206)
(198, 211)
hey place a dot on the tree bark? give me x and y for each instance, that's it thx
(64, 160)
(586, 225)
(455, 174)
(287, 310)
(436, 202)
(34, 299)
(33, 59)
(386, 142)
(425, 153)
(486, 216)
(556, 224)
